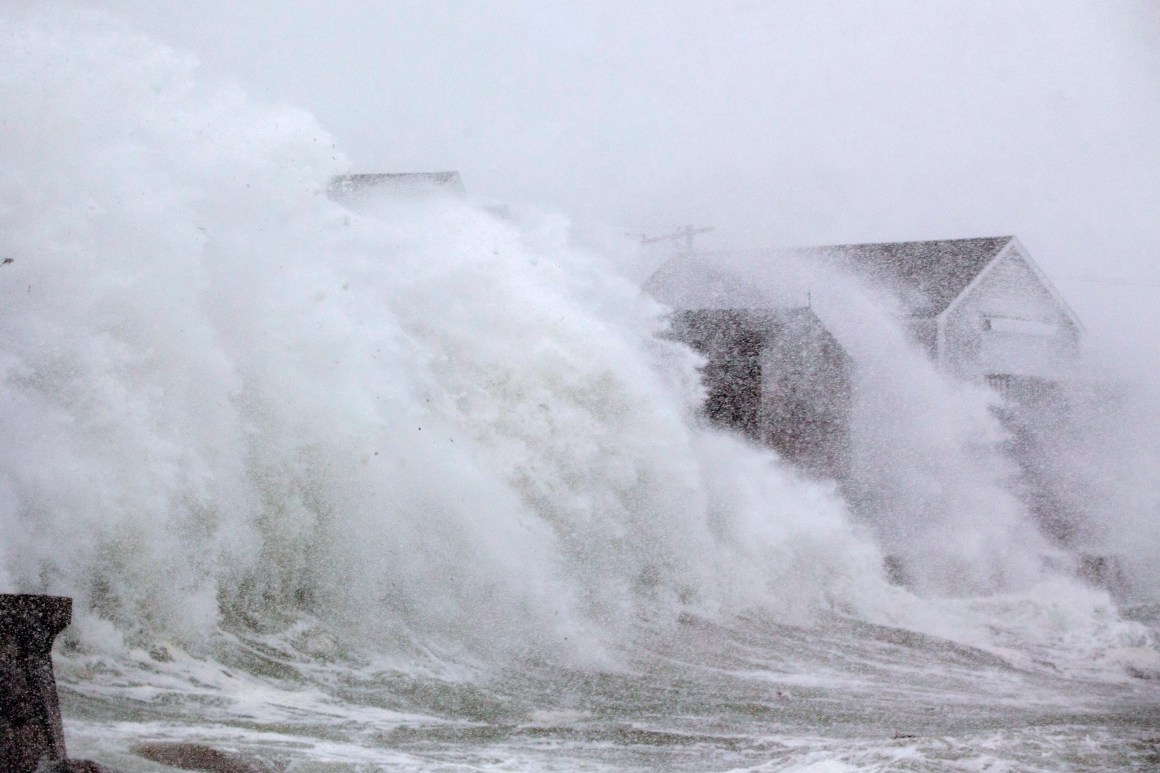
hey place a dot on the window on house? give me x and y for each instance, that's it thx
(1000, 324)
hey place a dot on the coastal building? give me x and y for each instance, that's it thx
(774, 373)
(981, 308)
(984, 311)
(355, 187)
(778, 377)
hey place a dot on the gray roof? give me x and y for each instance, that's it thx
(926, 276)
(688, 282)
(350, 186)
(779, 325)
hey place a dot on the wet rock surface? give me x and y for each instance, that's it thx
(192, 756)
(73, 766)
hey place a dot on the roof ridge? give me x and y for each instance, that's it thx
(925, 275)
(961, 239)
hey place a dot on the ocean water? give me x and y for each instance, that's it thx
(410, 486)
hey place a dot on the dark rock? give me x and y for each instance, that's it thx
(72, 766)
(30, 723)
(193, 756)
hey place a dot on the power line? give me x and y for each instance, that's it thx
(1109, 280)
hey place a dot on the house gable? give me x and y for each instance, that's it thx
(1008, 321)
(1015, 250)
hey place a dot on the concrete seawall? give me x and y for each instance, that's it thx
(31, 731)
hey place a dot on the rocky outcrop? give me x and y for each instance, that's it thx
(193, 756)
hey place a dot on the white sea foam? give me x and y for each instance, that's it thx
(228, 393)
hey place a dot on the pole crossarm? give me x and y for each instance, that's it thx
(687, 233)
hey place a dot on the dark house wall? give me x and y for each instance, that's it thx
(806, 395)
(778, 377)
(732, 343)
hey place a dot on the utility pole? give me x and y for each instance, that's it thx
(688, 232)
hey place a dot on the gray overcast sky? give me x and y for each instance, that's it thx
(779, 123)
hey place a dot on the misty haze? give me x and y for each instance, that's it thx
(581, 386)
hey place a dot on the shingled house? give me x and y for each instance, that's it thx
(777, 376)
(981, 308)
(772, 373)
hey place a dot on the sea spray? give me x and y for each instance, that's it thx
(422, 424)
(1100, 452)
(928, 470)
